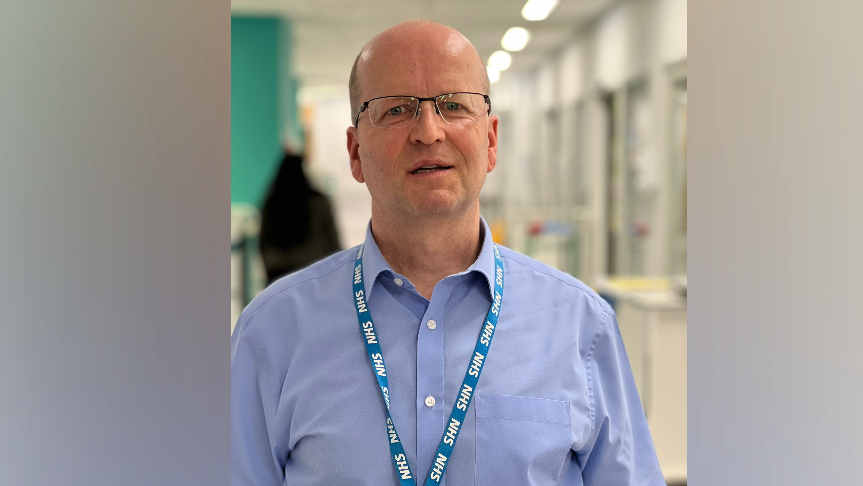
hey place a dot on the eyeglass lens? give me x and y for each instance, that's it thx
(395, 111)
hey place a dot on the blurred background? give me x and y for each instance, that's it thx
(592, 166)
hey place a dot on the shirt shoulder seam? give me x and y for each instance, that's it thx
(251, 312)
(599, 301)
(253, 335)
(590, 388)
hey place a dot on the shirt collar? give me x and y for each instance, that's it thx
(374, 264)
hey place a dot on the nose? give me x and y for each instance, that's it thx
(429, 126)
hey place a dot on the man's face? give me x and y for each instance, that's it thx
(386, 158)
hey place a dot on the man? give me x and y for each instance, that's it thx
(429, 355)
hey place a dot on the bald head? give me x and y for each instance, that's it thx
(416, 45)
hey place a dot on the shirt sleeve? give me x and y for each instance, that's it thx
(253, 406)
(620, 451)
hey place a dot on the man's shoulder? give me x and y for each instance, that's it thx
(303, 283)
(546, 275)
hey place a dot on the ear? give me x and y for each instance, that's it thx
(354, 154)
(492, 142)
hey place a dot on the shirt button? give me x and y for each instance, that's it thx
(429, 401)
(431, 324)
(398, 281)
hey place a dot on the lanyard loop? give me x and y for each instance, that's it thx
(468, 386)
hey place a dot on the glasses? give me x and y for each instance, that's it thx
(400, 111)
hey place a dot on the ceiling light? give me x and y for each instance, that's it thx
(499, 60)
(515, 39)
(538, 9)
(493, 74)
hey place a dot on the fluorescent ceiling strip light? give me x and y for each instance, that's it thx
(538, 9)
(499, 60)
(515, 39)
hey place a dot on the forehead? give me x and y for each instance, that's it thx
(421, 66)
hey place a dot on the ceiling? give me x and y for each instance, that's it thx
(328, 34)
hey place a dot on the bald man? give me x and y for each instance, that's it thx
(429, 354)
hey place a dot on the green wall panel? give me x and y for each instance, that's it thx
(256, 108)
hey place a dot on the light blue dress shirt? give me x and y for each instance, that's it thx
(556, 403)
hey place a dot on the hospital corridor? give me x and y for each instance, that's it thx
(591, 174)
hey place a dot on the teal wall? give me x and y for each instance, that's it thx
(263, 103)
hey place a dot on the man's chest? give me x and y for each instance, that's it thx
(530, 407)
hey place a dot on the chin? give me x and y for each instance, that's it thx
(433, 206)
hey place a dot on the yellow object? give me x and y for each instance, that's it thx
(498, 231)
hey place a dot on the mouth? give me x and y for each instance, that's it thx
(430, 168)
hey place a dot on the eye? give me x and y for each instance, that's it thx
(452, 106)
(396, 110)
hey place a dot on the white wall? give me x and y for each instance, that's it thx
(328, 162)
(635, 39)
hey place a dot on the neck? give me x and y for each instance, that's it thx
(430, 249)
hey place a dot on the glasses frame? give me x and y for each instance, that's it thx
(365, 105)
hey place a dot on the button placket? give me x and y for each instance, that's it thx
(430, 378)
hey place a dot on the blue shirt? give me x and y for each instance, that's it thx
(556, 402)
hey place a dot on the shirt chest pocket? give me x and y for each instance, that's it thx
(520, 441)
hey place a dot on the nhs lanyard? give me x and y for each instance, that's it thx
(468, 386)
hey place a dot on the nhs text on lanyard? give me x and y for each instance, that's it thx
(468, 386)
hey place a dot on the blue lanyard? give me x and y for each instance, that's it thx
(468, 385)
